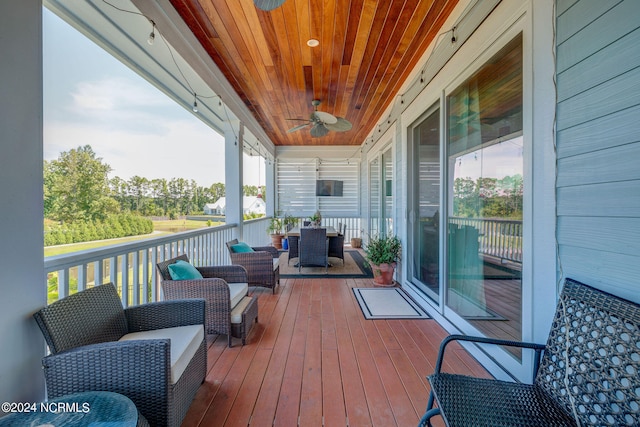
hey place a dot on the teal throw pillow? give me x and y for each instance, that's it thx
(182, 270)
(241, 247)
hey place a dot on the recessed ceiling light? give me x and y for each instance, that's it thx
(312, 42)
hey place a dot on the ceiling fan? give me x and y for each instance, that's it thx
(321, 123)
(268, 4)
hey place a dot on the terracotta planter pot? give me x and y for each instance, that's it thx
(383, 274)
(276, 240)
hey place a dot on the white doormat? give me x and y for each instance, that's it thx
(393, 303)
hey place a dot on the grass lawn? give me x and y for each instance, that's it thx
(160, 227)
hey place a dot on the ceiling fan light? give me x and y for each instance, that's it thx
(268, 5)
(313, 43)
(318, 131)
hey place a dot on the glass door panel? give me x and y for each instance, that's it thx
(387, 192)
(485, 195)
(374, 197)
(425, 171)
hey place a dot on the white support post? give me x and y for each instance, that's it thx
(21, 261)
(270, 190)
(233, 137)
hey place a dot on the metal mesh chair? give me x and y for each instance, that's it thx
(587, 376)
(313, 248)
(213, 288)
(82, 332)
(261, 265)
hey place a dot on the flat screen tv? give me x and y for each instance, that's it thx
(328, 187)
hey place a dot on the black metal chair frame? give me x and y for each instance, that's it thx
(586, 374)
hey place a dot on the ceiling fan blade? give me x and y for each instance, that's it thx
(325, 118)
(268, 4)
(319, 130)
(296, 128)
(341, 125)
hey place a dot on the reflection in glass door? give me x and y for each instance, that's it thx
(425, 199)
(485, 196)
(374, 197)
(387, 192)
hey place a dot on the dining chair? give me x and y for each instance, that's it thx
(313, 248)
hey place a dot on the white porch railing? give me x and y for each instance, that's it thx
(132, 266)
(499, 238)
(354, 225)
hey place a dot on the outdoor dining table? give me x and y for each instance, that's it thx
(295, 231)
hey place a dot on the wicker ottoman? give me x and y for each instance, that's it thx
(242, 317)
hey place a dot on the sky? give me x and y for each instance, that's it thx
(91, 98)
(496, 161)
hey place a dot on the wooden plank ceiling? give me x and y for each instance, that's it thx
(367, 50)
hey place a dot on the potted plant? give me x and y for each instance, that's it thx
(316, 219)
(288, 222)
(275, 231)
(382, 252)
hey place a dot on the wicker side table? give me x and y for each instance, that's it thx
(245, 313)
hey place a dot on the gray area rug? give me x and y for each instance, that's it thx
(355, 267)
(388, 303)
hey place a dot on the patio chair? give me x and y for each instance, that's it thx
(222, 288)
(262, 264)
(293, 248)
(154, 353)
(336, 247)
(313, 248)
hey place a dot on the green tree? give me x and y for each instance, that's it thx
(77, 186)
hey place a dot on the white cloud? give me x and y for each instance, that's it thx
(115, 93)
(186, 150)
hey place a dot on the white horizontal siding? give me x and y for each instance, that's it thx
(296, 184)
(591, 25)
(612, 199)
(598, 143)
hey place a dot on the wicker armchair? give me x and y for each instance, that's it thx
(293, 248)
(314, 248)
(87, 335)
(214, 288)
(336, 247)
(261, 265)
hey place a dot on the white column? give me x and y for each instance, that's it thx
(22, 284)
(270, 190)
(233, 137)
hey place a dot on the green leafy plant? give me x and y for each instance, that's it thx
(275, 226)
(316, 218)
(383, 249)
(289, 221)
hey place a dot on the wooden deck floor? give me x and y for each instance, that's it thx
(313, 360)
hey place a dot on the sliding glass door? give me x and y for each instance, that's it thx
(466, 190)
(374, 197)
(425, 199)
(485, 188)
(387, 193)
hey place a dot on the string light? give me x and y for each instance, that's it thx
(152, 35)
(195, 103)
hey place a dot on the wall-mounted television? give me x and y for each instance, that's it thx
(328, 187)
